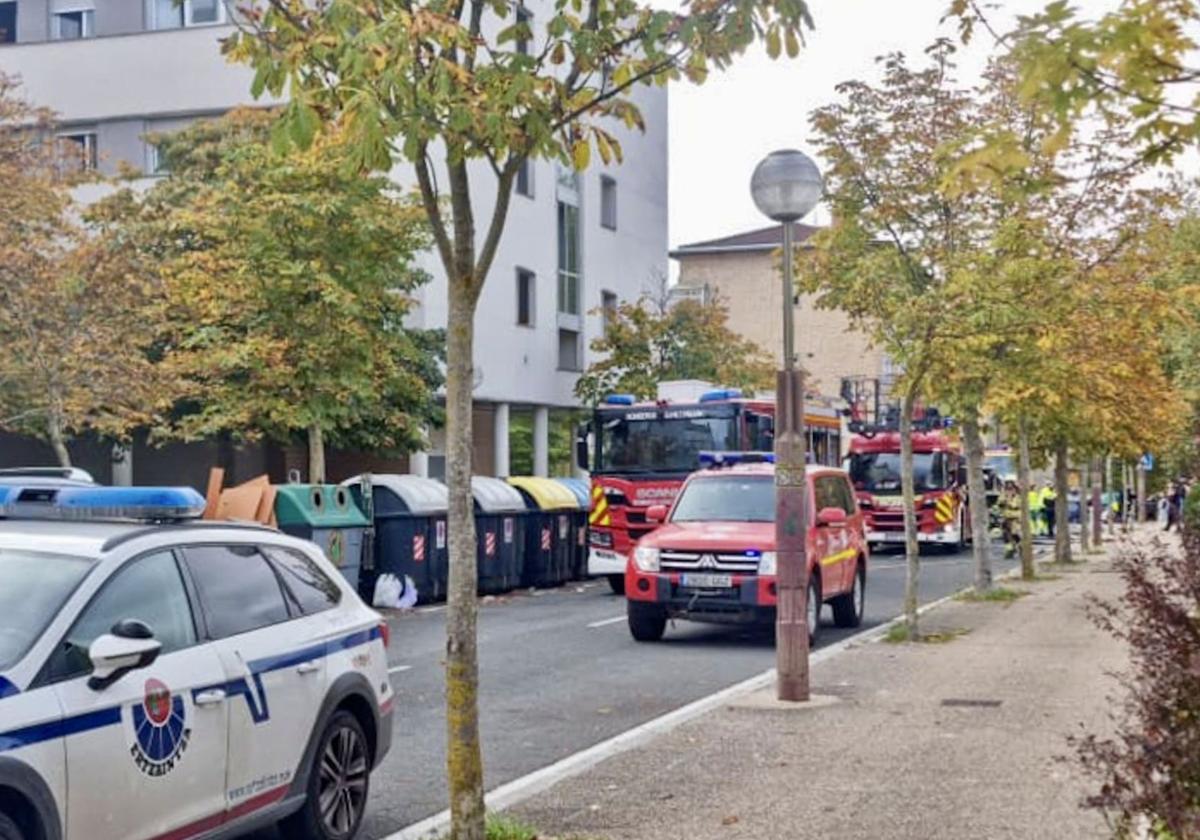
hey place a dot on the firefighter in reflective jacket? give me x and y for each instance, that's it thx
(1010, 509)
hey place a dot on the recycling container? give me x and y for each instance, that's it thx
(548, 509)
(499, 530)
(581, 490)
(410, 531)
(329, 516)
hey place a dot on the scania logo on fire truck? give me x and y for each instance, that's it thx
(654, 494)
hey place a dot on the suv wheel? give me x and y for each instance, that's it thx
(9, 830)
(647, 622)
(338, 783)
(813, 605)
(617, 582)
(848, 608)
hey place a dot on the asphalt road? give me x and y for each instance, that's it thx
(560, 672)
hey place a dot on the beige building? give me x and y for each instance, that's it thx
(743, 270)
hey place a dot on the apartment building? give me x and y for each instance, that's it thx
(116, 71)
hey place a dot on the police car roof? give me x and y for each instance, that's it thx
(93, 538)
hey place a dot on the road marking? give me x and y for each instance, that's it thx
(612, 620)
(518, 790)
(398, 668)
(431, 609)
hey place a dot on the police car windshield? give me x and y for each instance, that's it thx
(36, 585)
(727, 498)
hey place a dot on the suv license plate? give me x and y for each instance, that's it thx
(708, 581)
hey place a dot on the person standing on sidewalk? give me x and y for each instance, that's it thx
(1010, 510)
(1049, 503)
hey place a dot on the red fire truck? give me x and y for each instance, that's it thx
(642, 452)
(939, 476)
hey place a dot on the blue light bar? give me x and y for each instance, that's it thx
(619, 399)
(710, 460)
(85, 503)
(721, 394)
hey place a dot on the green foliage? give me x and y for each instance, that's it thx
(644, 344)
(1191, 509)
(562, 442)
(286, 280)
(506, 828)
(996, 595)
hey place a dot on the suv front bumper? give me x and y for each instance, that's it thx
(751, 599)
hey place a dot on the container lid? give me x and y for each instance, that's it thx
(318, 506)
(422, 496)
(546, 493)
(582, 488)
(495, 496)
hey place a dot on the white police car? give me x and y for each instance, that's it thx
(168, 678)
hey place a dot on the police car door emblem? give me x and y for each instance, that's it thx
(708, 562)
(160, 730)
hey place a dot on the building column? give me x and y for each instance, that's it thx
(122, 465)
(541, 441)
(501, 466)
(418, 464)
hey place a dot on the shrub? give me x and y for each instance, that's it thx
(1149, 771)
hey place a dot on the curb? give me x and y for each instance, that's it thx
(518, 790)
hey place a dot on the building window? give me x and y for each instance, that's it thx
(78, 151)
(608, 309)
(525, 178)
(568, 350)
(526, 17)
(173, 14)
(568, 259)
(8, 23)
(72, 21)
(608, 202)
(526, 289)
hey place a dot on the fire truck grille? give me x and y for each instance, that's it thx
(693, 561)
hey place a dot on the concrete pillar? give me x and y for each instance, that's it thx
(122, 465)
(501, 467)
(541, 440)
(418, 464)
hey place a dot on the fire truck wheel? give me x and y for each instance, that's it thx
(848, 608)
(617, 582)
(647, 622)
(813, 605)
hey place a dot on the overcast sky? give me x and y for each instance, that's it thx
(721, 129)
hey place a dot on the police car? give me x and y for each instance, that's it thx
(163, 677)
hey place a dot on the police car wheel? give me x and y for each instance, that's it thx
(848, 608)
(9, 830)
(647, 622)
(617, 582)
(338, 784)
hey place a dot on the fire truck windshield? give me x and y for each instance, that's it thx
(730, 498)
(879, 472)
(662, 439)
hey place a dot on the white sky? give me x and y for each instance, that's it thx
(721, 129)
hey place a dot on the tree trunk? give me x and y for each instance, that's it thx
(464, 759)
(316, 455)
(1062, 536)
(1097, 501)
(1085, 547)
(912, 548)
(1139, 503)
(1108, 480)
(54, 431)
(981, 544)
(1028, 570)
(1125, 483)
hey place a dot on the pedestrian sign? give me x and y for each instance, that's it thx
(1147, 463)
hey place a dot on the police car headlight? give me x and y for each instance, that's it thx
(645, 558)
(766, 565)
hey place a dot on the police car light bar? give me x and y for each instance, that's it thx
(709, 460)
(152, 504)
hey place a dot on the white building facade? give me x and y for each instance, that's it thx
(117, 70)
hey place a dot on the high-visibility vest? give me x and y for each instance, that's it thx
(1035, 500)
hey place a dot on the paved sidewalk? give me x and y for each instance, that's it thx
(891, 758)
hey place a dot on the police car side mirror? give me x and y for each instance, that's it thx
(656, 514)
(115, 654)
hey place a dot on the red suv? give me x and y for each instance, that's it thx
(713, 559)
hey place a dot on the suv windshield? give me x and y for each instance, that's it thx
(730, 498)
(36, 585)
(666, 440)
(879, 472)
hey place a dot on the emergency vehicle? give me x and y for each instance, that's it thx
(163, 677)
(642, 452)
(713, 558)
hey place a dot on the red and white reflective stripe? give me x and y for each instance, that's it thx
(546, 539)
(418, 548)
(489, 543)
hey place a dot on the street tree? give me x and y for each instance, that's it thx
(286, 280)
(892, 258)
(76, 310)
(646, 342)
(461, 94)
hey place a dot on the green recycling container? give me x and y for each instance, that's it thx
(328, 516)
